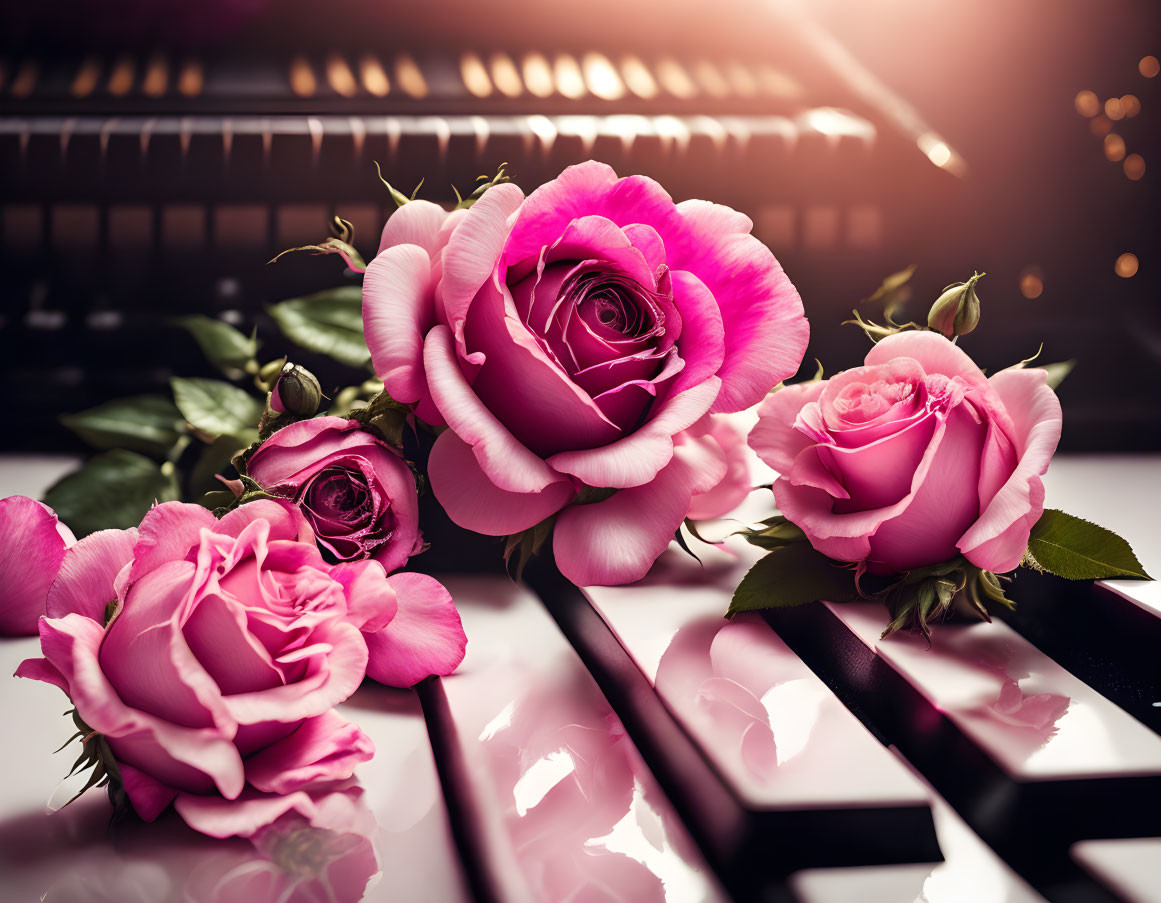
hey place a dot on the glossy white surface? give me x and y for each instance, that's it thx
(770, 726)
(1033, 718)
(1123, 493)
(971, 873)
(1129, 868)
(584, 817)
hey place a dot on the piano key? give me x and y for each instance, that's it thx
(1129, 869)
(1017, 744)
(768, 742)
(550, 798)
(971, 871)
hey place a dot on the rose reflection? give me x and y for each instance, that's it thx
(583, 816)
(328, 857)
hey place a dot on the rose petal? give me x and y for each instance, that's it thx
(424, 638)
(84, 583)
(508, 463)
(325, 748)
(148, 796)
(774, 438)
(167, 533)
(472, 252)
(284, 519)
(998, 539)
(638, 458)
(398, 311)
(617, 540)
(370, 600)
(703, 342)
(934, 353)
(415, 223)
(724, 439)
(33, 544)
(474, 502)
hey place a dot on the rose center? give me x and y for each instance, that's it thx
(614, 306)
(338, 493)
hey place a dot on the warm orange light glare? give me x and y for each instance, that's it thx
(302, 80)
(1149, 66)
(374, 77)
(537, 75)
(87, 77)
(1031, 285)
(475, 76)
(567, 75)
(602, 78)
(1134, 166)
(638, 78)
(1113, 108)
(410, 77)
(1126, 265)
(505, 76)
(675, 79)
(156, 80)
(1130, 105)
(1114, 147)
(121, 78)
(1087, 104)
(340, 77)
(1100, 126)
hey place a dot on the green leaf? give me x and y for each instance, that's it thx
(777, 531)
(329, 322)
(112, 490)
(214, 458)
(224, 346)
(1057, 372)
(144, 423)
(217, 408)
(1077, 549)
(793, 575)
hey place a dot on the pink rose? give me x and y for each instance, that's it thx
(914, 458)
(33, 543)
(232, 643)
(723, 439)
(566, 339)
(357, 493)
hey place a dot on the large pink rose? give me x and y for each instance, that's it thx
(33, 542)
(914, 458)
(231, 644)
(356, 491)
(566, 338)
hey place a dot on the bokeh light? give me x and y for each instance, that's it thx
(1130, 105)
(1134, 166)
(1126, 265)
(1113, 109)
(1087, 104)
(1100, 126)
(1114, 147)
(1031, 283)
(1149, 66)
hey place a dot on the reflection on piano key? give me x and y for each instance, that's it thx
(340, 77)
(554, 800)
(475, 76)
(970, 873)
(374, 76)
(121, 77)
(638, 78)
(85, 82)
(505, 75)
(1129, 869)
(25, 78)
(302, 80)
(567, 77)
(795, 780)
(537, 75)
(410, 78)
(600, 76)
(156, 80)
(674, 79)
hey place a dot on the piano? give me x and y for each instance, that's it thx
(630, 744)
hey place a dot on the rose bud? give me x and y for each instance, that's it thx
(296, 391)
(957, 311)
(355, 490)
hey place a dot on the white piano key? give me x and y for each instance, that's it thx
(768, 723)
(1130, 868)
(1034, 719)
(554, 772)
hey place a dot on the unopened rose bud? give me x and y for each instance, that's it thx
(957, 311)
(296, 391)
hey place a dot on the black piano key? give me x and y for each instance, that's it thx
(768, 769)
(124, 157)
(1018, 745)
(293, 154)
(1107, 640)
(549, 797)
(247, 146)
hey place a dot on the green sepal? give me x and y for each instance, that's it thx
(1077, 549)
(1057, 372)
(774, 533)
(229, 350)
(684, 545)
(893, 293)
(793, 575)
(114, 489)
(385, 416)
(484, 182)
(328, 322)
(143, 423)
(525, 545)
(347, 251)
(96, 755)
(216, 408)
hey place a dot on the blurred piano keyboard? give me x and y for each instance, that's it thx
(136, 187)
(628, 744)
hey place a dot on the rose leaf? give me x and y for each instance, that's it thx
(113, 490)
(1077, 549)
(328, 322)
(144, 423)
(793, 575)
(225, 347)
(218, 408)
